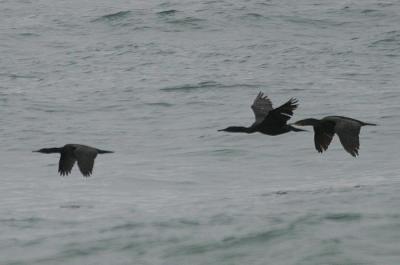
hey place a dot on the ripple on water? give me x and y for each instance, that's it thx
(389, 41)
(21, 223)
(343, 217)
(191, 87)
(160, 104)
(128, 226)
(187, 21)
(230, 242)
(113, 16)
(177, 223)
(169, 12)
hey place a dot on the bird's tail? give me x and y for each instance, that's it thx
(104, 151)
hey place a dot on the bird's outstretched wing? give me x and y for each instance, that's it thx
(282, 114)
(322, 138)
(348, 132)
(261, 107)
(85, 157)
(66, 163)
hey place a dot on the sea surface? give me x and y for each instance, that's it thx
(154, 81)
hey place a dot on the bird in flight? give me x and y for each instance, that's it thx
(347, 129)
(70, 153)
(268, 120)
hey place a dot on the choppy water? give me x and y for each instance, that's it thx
(154, 80)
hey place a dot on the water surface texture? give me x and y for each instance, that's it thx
(154, 81)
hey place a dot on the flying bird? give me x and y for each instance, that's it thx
(347, 129)
(268, 120)
(70, 153)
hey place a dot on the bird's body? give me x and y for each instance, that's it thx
(268, 120)
(71, 153)
(346, 128)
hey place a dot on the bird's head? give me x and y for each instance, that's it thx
(224, 130)
(43, 150)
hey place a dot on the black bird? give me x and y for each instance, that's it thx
(347, 129)
(70, 153)
(268, 121)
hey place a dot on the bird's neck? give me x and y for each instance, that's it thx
(294, 129)
(311, 122)
(240, 129)
(50, 150)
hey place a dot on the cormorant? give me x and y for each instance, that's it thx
(70, 153)
(347, 129)
(268, 120)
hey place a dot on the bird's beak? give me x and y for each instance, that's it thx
(35, 151)
(295, 124)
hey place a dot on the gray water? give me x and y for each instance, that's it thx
(154, 81)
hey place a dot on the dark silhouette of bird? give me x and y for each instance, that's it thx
(268, 120)
(70, 153)
(347, 129)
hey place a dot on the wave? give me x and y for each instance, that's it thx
(124, 227)
(185, 22)
(29, 34)
(319, 23)
(342, 217)
(206, 85)
(113, 16)
(161, 104)
(167, 12)
(231, 241)
(189, 87)
(328, 190)
(389, 41)
(21, 223)
(254, 16)
(19, 76)
(176, 223)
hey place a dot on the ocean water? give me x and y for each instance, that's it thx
(154, 81)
